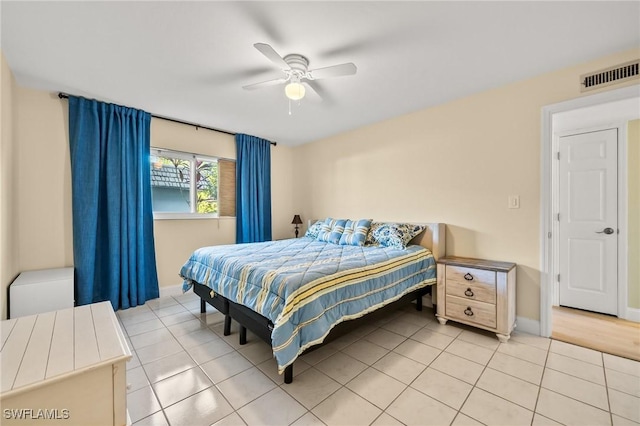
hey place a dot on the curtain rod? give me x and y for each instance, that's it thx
(197, 126)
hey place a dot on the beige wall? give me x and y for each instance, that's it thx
(282, 195)
(633, 164)
(44, 180)
(455, 163)
(8, 231)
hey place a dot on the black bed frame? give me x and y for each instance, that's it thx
(262, 326)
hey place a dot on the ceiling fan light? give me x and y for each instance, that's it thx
(294, 91)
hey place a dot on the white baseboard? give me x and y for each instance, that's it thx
(633, 314)
(171, 290)
(527, 325)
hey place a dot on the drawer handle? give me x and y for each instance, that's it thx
(468, 312)
(468, 292)
(468, 277)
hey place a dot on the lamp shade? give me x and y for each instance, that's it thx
(296, 220)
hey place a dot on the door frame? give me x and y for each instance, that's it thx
(549, 176)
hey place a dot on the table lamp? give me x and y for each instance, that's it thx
(296, 221)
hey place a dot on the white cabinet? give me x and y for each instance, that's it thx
(45, 290)
(477, 292)
(64, 367)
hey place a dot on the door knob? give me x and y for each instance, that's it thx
(607, 231)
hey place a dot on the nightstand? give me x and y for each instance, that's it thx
(477, 292)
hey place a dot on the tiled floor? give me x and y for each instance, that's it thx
(403, 369)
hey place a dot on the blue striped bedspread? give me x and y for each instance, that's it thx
(306, 287)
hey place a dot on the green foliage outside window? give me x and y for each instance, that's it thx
(207, 186)
(206, 176)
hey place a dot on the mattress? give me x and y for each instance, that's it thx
(306, 287)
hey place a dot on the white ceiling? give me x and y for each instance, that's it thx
(188, 60)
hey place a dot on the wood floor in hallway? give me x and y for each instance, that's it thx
(596, 331)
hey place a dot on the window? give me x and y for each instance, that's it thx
(185, 185)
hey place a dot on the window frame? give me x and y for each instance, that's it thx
(193, 192)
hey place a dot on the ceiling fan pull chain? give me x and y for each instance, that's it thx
(289, 106)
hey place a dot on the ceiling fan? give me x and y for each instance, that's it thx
(297, 73)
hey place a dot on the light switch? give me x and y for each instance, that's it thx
(514, 201)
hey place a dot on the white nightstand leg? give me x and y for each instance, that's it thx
(442, 321)
(503, 337)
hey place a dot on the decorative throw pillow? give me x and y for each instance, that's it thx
(355, 232)
(370, 240)
(395, 235)
(331, 230)
(313, 230)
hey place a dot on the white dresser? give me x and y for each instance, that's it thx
(44, 290)
(64, 367)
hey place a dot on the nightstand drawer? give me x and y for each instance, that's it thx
(472, 291)
(471, 275)
(471, 311)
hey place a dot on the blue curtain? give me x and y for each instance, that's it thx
(113, 246)
(253, 189)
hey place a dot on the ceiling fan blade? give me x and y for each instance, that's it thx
(265, 84)
(333, 71)
(311, 93)
(272, 55)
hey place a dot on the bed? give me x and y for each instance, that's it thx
(294, 293)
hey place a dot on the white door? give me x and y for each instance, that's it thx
(589, 221)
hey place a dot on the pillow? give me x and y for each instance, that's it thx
(331, 230)
(313, 230)
(325, 229)
(370, 240)
(396, 235)
(355, 232)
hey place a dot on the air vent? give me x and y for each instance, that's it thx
(613, 75)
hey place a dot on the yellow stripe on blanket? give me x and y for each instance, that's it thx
(360, 314)
(316, 288)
